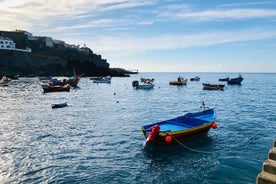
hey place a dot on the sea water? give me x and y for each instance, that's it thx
(97, 138)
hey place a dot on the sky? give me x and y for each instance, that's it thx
(157, 35)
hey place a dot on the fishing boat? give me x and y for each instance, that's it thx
(181, 128)
(48, 88)
(146, 85)
(72, 81)
(208, 86)
(147, 79)
(59, 105)
(195, 78)
(106, 79)
(224, 79)
(237, 80)
(4, 81)
(180, 81)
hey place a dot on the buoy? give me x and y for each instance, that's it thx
(214, 125)
(168, 139)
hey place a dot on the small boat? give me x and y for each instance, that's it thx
(224, 79)
(4, 81)
(237, 80)
(213, 86)
(180, 81)
(147, 80)
(195, 78)
(59, 105)
(106, 79)
(180, 128)
(72, 81)
(48, 88)
(146, 85)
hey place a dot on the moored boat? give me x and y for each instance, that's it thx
(48, 88)
(195, 78)
(106, 79)
(59, 105)
(208, 86)
(147, 79)
(147, 85)
(224, 79)
(180, 81)
(72, 81)
(237, 80)
(180, 128)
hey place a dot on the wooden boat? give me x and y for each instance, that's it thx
(48, 88)
(180, 128)
(59, 105)
(237, 80)
(106, 79)
(224, 79)
(146, 80)
(195, 78)
(180, 81)
(147, 85)
(213, 86)
(72, 81)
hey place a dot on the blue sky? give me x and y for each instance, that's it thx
(157, 35)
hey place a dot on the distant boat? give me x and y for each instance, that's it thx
(207, 86)
(195, 78)
(106, 79)
(72, 81)
(237, 80)
(4, 81)
(180, 128)
(146, 85)
(224, 79)
(48, 88)
(180, 81)
(147, 80)
(59, 105)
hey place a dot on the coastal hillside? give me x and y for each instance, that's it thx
(40, 55)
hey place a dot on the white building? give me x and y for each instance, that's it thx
(6, 43)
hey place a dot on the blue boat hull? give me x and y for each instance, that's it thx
(54, 106)
(235, 81)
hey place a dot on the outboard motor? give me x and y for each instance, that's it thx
(135, 83)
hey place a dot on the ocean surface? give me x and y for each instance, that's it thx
(98, 137)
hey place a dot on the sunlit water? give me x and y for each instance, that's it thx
(97, 138)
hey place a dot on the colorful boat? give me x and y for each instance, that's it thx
(237, 80)
(180, 81)
(146, 85)
(181, 128)
(72, 81)
(207, 86)
(59, 105)
(48, 88)
(146, 80)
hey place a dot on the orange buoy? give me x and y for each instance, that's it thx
(214, 125)
(168, 139)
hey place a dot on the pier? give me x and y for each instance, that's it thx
(268, 174)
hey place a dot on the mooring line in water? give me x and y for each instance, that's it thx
(210, 152)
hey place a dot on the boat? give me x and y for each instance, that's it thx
(59, 105)
(147, 80)
(208, 86)
(72, 81)
(224, 79)
(195, 78)
(181, 128)
(146, 85)
(106, 79)
(4, 81)
(48, 88)
(237, 80)
(180, 81)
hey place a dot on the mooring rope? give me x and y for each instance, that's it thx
(210, 152)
